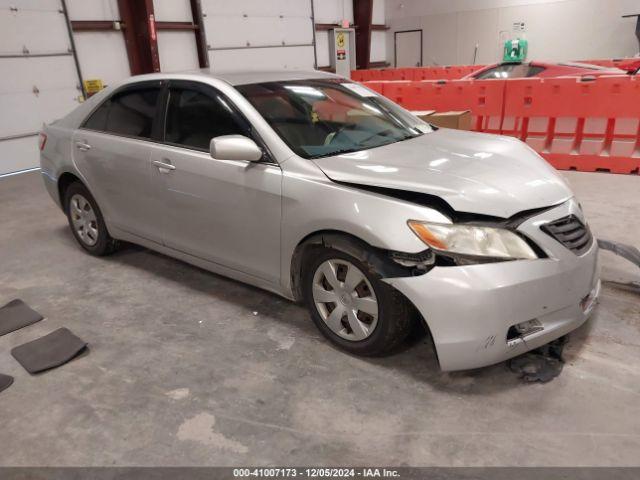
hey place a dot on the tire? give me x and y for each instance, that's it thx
(377, 334)
(86, 221)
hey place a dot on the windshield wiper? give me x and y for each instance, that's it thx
(336, 152)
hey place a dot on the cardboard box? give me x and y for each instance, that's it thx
(459, 120)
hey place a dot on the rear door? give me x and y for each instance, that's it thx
(112, 150)
(224, 211)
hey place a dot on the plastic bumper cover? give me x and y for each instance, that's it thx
(469, 309)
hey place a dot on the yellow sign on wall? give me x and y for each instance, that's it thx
(93, 86)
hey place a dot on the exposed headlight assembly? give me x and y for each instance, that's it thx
(475, 241)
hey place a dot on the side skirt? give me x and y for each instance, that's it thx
(201, 263)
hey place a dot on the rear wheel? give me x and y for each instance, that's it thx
(86, 221)
(352, 307)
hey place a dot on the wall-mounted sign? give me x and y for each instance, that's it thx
(518, 26)
(93, 86)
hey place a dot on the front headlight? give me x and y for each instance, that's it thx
(473, 240)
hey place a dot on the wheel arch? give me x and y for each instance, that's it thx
(64, 180)
(346, 243)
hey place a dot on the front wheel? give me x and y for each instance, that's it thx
(86, 221)
(352, 306)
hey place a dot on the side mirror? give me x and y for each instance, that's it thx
(235, 147)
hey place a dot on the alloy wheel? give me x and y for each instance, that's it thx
(84, 219)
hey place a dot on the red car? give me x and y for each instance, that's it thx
(541, 69)
(632, 66)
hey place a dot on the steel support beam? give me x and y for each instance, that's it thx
(95, 25)
(201, 37)
(362, 16)
(140, 35)
(181, 26)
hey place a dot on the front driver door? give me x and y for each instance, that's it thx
(224, 211)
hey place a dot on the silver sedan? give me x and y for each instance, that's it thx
(320, 190)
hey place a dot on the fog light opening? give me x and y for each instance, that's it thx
(523, 329)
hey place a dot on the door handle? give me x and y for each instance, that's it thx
(164, 167)
(83, 147)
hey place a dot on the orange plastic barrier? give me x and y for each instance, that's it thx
(614, 62)
(582, 125)
(483, 97)
(416, 73)
(586, 126)
(376, 86)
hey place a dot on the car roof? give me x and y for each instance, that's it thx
(237, 77)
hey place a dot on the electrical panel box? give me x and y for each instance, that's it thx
(342, 47)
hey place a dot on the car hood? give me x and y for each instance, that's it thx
(472, 172)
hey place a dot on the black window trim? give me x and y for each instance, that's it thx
(158, 128)
(160, 84)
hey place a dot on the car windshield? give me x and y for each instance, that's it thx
(319, 118)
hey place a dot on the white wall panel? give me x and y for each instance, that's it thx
(172, 10)
(333, 11)
(177, 51)
(557, 30)
(19, 154)
(322, 48)
(39, 5)
(231, 27)
(47, 73)
(93, 9)
(27, 111)
(33, 89)
(378, 14)
(252, 8)
(102, 55)
(26, 28)
(418, 8)
(480, 28)
(378, 46)
(235, 31)
(440, 40)
(296, 58)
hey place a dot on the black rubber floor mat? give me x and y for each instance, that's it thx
(5, 381)
(15, 315)
(50, 351)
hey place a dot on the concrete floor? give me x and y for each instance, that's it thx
(189, 368)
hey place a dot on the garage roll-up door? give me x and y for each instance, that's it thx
(259, 35)
(38, 78)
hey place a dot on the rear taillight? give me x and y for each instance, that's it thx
(43, 141)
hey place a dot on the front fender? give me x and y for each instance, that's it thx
(312, 204)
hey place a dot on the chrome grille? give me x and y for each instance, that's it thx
(570, 232)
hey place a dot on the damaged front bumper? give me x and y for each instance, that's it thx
(471, 310)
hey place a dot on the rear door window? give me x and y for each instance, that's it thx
(130, 113)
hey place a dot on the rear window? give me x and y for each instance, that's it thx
(510, 70)
(128, 113)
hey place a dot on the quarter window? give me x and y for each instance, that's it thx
(129, 113)
(194, 118)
